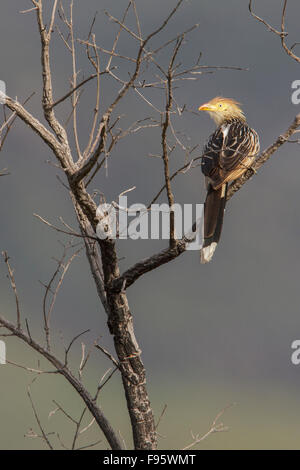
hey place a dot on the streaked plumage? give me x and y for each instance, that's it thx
(230, 151)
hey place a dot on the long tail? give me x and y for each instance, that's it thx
(214, 208)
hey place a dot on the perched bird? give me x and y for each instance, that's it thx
(230, 151)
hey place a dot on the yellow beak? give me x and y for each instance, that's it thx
(205, 107)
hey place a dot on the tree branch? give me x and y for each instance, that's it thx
(95, 410)
(47, 79)
(282, 33)
(264, 157)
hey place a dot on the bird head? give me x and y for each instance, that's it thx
(223, 109)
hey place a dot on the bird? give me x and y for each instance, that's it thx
(229, 152)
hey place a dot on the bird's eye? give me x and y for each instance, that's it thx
(220, 105)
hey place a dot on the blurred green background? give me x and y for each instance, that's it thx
(211, 335)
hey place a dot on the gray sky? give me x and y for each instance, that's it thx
(229, 322)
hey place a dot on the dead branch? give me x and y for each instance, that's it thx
(264, 157)
(47, 136)
(45, 36)
(44, 435)
(282, 33)
(215, 427)
(107, 354)
(104, 382)
(70, 232)
(60, 408)
(67, 350)
(7, 125)
(61, 368)
(13, 285)
(165, 126)
(59, 273)
(67, 95)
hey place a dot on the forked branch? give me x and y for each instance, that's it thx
(282, 33)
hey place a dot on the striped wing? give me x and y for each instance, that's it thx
(230, 150)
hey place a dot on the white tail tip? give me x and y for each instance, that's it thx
(207, 253)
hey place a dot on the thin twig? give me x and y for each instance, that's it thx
(215, 427)
(45, 438)
(14, 287)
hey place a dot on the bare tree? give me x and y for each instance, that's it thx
(79, 164)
